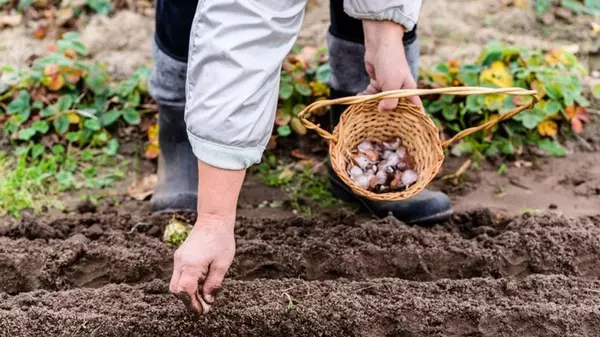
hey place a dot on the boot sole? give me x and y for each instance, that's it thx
(343, 193)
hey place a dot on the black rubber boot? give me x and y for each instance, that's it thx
(426, 208)
(177, 188)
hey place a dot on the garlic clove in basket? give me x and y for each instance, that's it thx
(355, 171)
(409, 177)
(386, 154)
(393, 160)
(402, 166)
(396, 183)
(372, 155)
(381, 177)
(362, 181)
(401, 152)
(365, 145)
(361, 160)
(393, 146)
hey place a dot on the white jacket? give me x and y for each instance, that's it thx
(235, 55)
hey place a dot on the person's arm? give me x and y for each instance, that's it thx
(384, 23)
(235, 56)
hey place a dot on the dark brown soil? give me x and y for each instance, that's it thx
(536, 306)
(481, 274)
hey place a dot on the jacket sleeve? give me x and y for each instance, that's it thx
(404, 12)
(232, 81)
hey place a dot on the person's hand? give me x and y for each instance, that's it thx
(386, 62)
(201, 262)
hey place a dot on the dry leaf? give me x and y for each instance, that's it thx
(272, 143)
(299, 154)
(143, 188)
(548, 128)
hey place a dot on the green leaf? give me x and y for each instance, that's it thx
(92, 124)
(531, 118)
(73, 136)
(38, 105)
(24, 4)
(297, 108)
(97, 80)
(20, 104)
(436, 106)
(48, 111)
(284, 130)
(553, 91)
(101, 137)
(61, 124)
(134, 99)
(323, 73)
(303, 89)
(582, 101)
(285, 77)
(80, 48)
(552, 147)
(87, 155)
(111, 147)
(110, 117)
(58, 149)
(450, 112)
(506, 147)
(464, 147)
(100, 6)
(285, 91)
(551, 108)
(541, 6)
(37, 150)
(131, 116)
(475, 103)
(64, 103)
(596, 91)
(26, 134)
(41, 126)
(22, 150)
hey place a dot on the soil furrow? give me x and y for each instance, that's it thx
(536, 306)
(319, 250)
(79, 261)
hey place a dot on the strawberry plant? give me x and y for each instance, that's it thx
(304, 77)
(554, 74)
(67, 107)
(565, 9)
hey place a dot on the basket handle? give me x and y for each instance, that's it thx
(458, 91)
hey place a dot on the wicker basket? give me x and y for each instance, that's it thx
(362, 120)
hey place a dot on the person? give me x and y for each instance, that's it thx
(215, 78)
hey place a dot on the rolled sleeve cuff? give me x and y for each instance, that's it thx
(224, 156)
(392, 14)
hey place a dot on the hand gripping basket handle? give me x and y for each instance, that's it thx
(458, 91)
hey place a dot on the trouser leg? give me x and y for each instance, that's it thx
(177, 166)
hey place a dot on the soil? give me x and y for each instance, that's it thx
(480, 274)
(521, 256)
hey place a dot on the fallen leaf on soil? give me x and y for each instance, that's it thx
(595, 28)
(548, 128)
(10, 20)
(299, 154)
(40, 32)
(272, 143)
(143, 188)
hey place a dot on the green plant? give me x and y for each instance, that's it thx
(32, 177)
(299, 181)
(64, 99)
(554, 74)
(304, 77)
(578, 7)
(67, 108)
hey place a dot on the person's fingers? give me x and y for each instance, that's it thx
(176, 273)
(416, 100)
(213, 281)
(187, 288)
